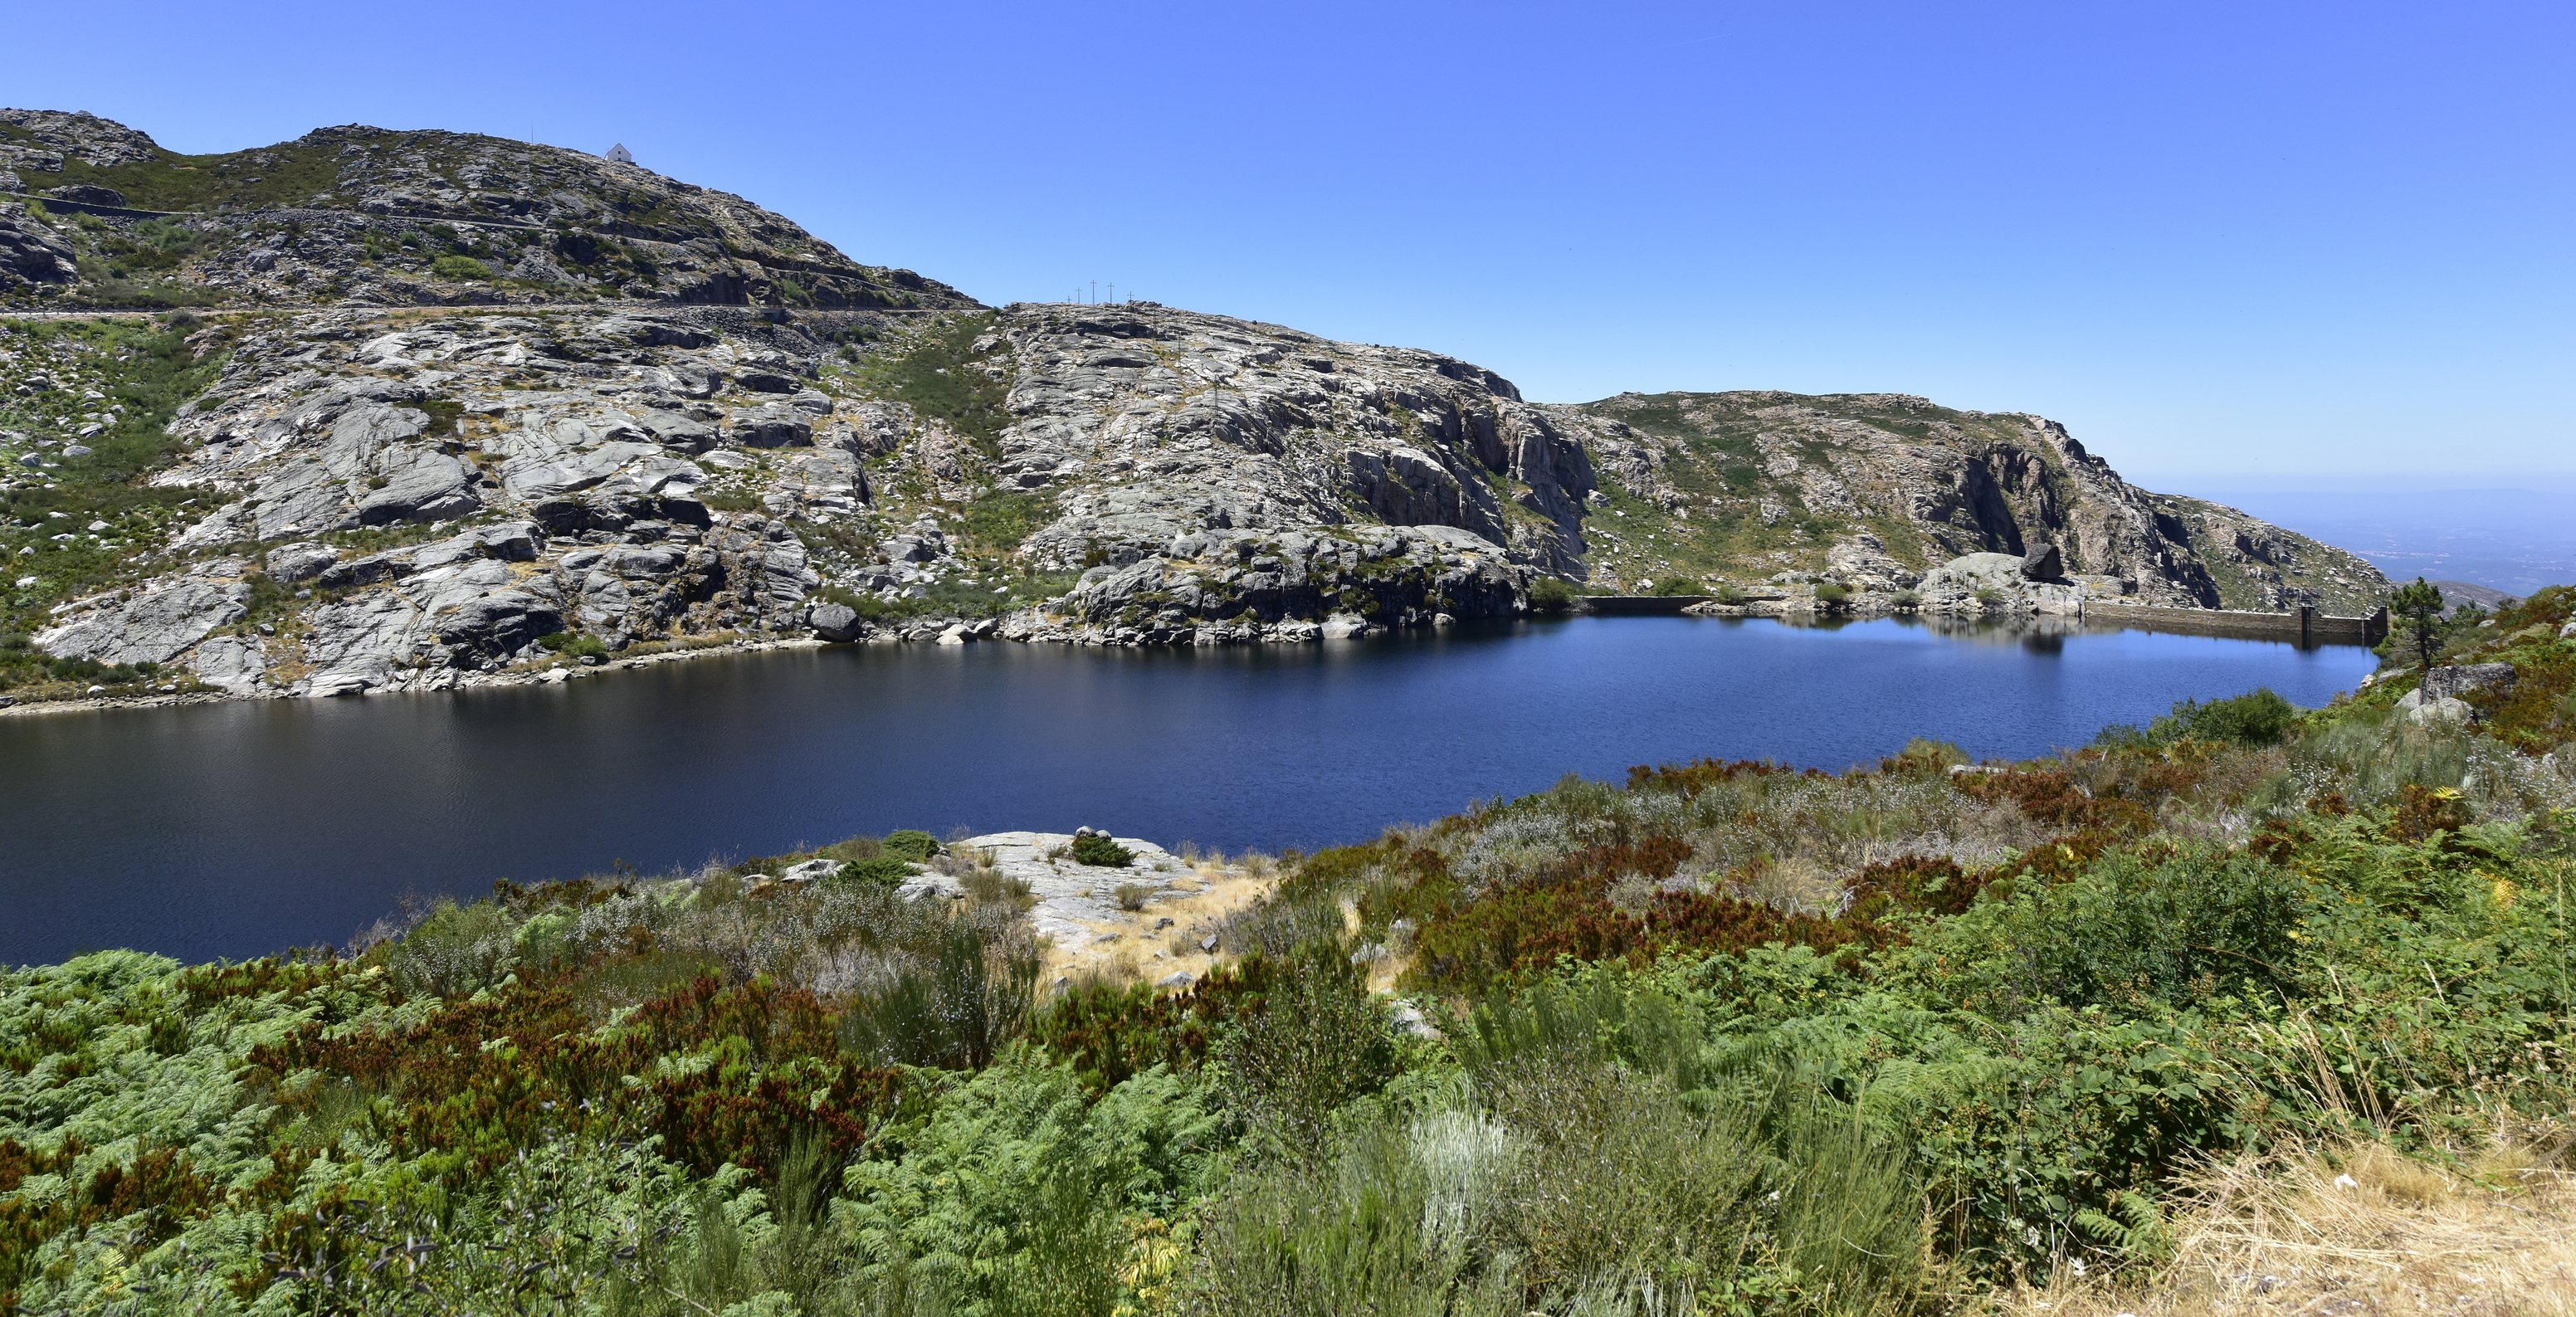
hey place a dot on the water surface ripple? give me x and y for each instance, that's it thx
(238, 829)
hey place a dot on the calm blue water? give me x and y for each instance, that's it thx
(239, 829)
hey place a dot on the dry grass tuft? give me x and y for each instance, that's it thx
(2368, 1230)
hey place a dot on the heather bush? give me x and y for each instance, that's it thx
(1100, 852)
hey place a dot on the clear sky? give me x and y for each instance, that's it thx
(2232, 246)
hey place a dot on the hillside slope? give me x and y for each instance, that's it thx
(371, 493)
(1877, 489)
(371, 215)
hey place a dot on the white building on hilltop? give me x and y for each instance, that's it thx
(621, 155)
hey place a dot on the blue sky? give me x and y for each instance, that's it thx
(2233, 247)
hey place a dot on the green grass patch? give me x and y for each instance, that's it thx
(939, 373)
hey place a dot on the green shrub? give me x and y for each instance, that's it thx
(1132, 896)
(1672, 586)
(455, 950)
(1000, 519)
(1551, 595)
(1907, 599)
(575, 644)
(2258, 718)
(942, 375)
(956, 1012)
(883, 870)
(1321, 1040)
(2127, 928)
(912, 844)
(459, 267)
(1101, 852)
(1832, 593)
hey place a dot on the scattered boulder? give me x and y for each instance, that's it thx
(2043, 563)
(1176, 979)
(810, 871)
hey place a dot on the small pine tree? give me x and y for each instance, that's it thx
(2418, 607)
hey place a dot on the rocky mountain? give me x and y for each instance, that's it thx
(364, 496)
(358, 215)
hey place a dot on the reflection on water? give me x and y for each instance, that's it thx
(237, 829)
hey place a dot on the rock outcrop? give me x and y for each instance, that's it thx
(32, 253)
(1785, 488)
(1153, 424)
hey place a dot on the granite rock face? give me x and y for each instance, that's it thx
(155, 625)
(1156, 424)
(561, 492)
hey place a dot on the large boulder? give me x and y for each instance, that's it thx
(488, 628)
(678, 430)
(2043, 563)
(293, 564)
(2455, 681)
(835, 622)
(2424, 710)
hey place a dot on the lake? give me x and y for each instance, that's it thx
(238, 829)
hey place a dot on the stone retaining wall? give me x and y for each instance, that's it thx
(2305, 626)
